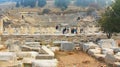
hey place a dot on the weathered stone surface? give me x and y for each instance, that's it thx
(2, 47)
(117, 56)
(48, 51)
(8, 59)
(107, 50)
(20, 64)
(116, 64)
(94, 51)
(44, 56)
(99, 56)
(45, 63)
(48, 54)
(55, 48)
(116, 50)
(6, 56)
(81, 45)
(110, 59)
(113, 59)
(27, 54)
(10, 64)
(107, 43)
(90, 45)
(33, 44)
(28, 60)
(67, 46)
(28, 48)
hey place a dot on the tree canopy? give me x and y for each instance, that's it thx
(85, 3)
(17, 4)
(31, 3)
(41, 3)
(110, 21)
(63, 4)
(27, 3)
(82, 3)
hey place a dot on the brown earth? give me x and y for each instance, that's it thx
(79, 59)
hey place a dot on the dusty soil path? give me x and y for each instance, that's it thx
(79, 59)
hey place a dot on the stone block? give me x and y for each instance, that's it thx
(28, 60)
(107, 43)
(116, 64)
(27, 54)
(48, 51)
(67, 46)
(94, 51)
(6, 56)
(44, 56)
(116, 50)
(110, 59)
(28, 48)
(107, 50)
(45, 63)
(90, 45)
(100, 57)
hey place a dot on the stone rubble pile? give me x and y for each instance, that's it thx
(106, 50)
(28, 56)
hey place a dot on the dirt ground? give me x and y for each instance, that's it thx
(79, 59)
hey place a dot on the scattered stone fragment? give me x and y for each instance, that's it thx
(110, 59)
(100, 57)
(107, 50)
(92, 52)
(90, 45)
(107, 43)
(116, 64)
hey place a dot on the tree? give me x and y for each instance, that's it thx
(79, 2)
(110, 21)
(63, 4)
(21, 2)
(30, 3)
(41, 3)
(17, 4)
(26, 3)
(84, 3)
